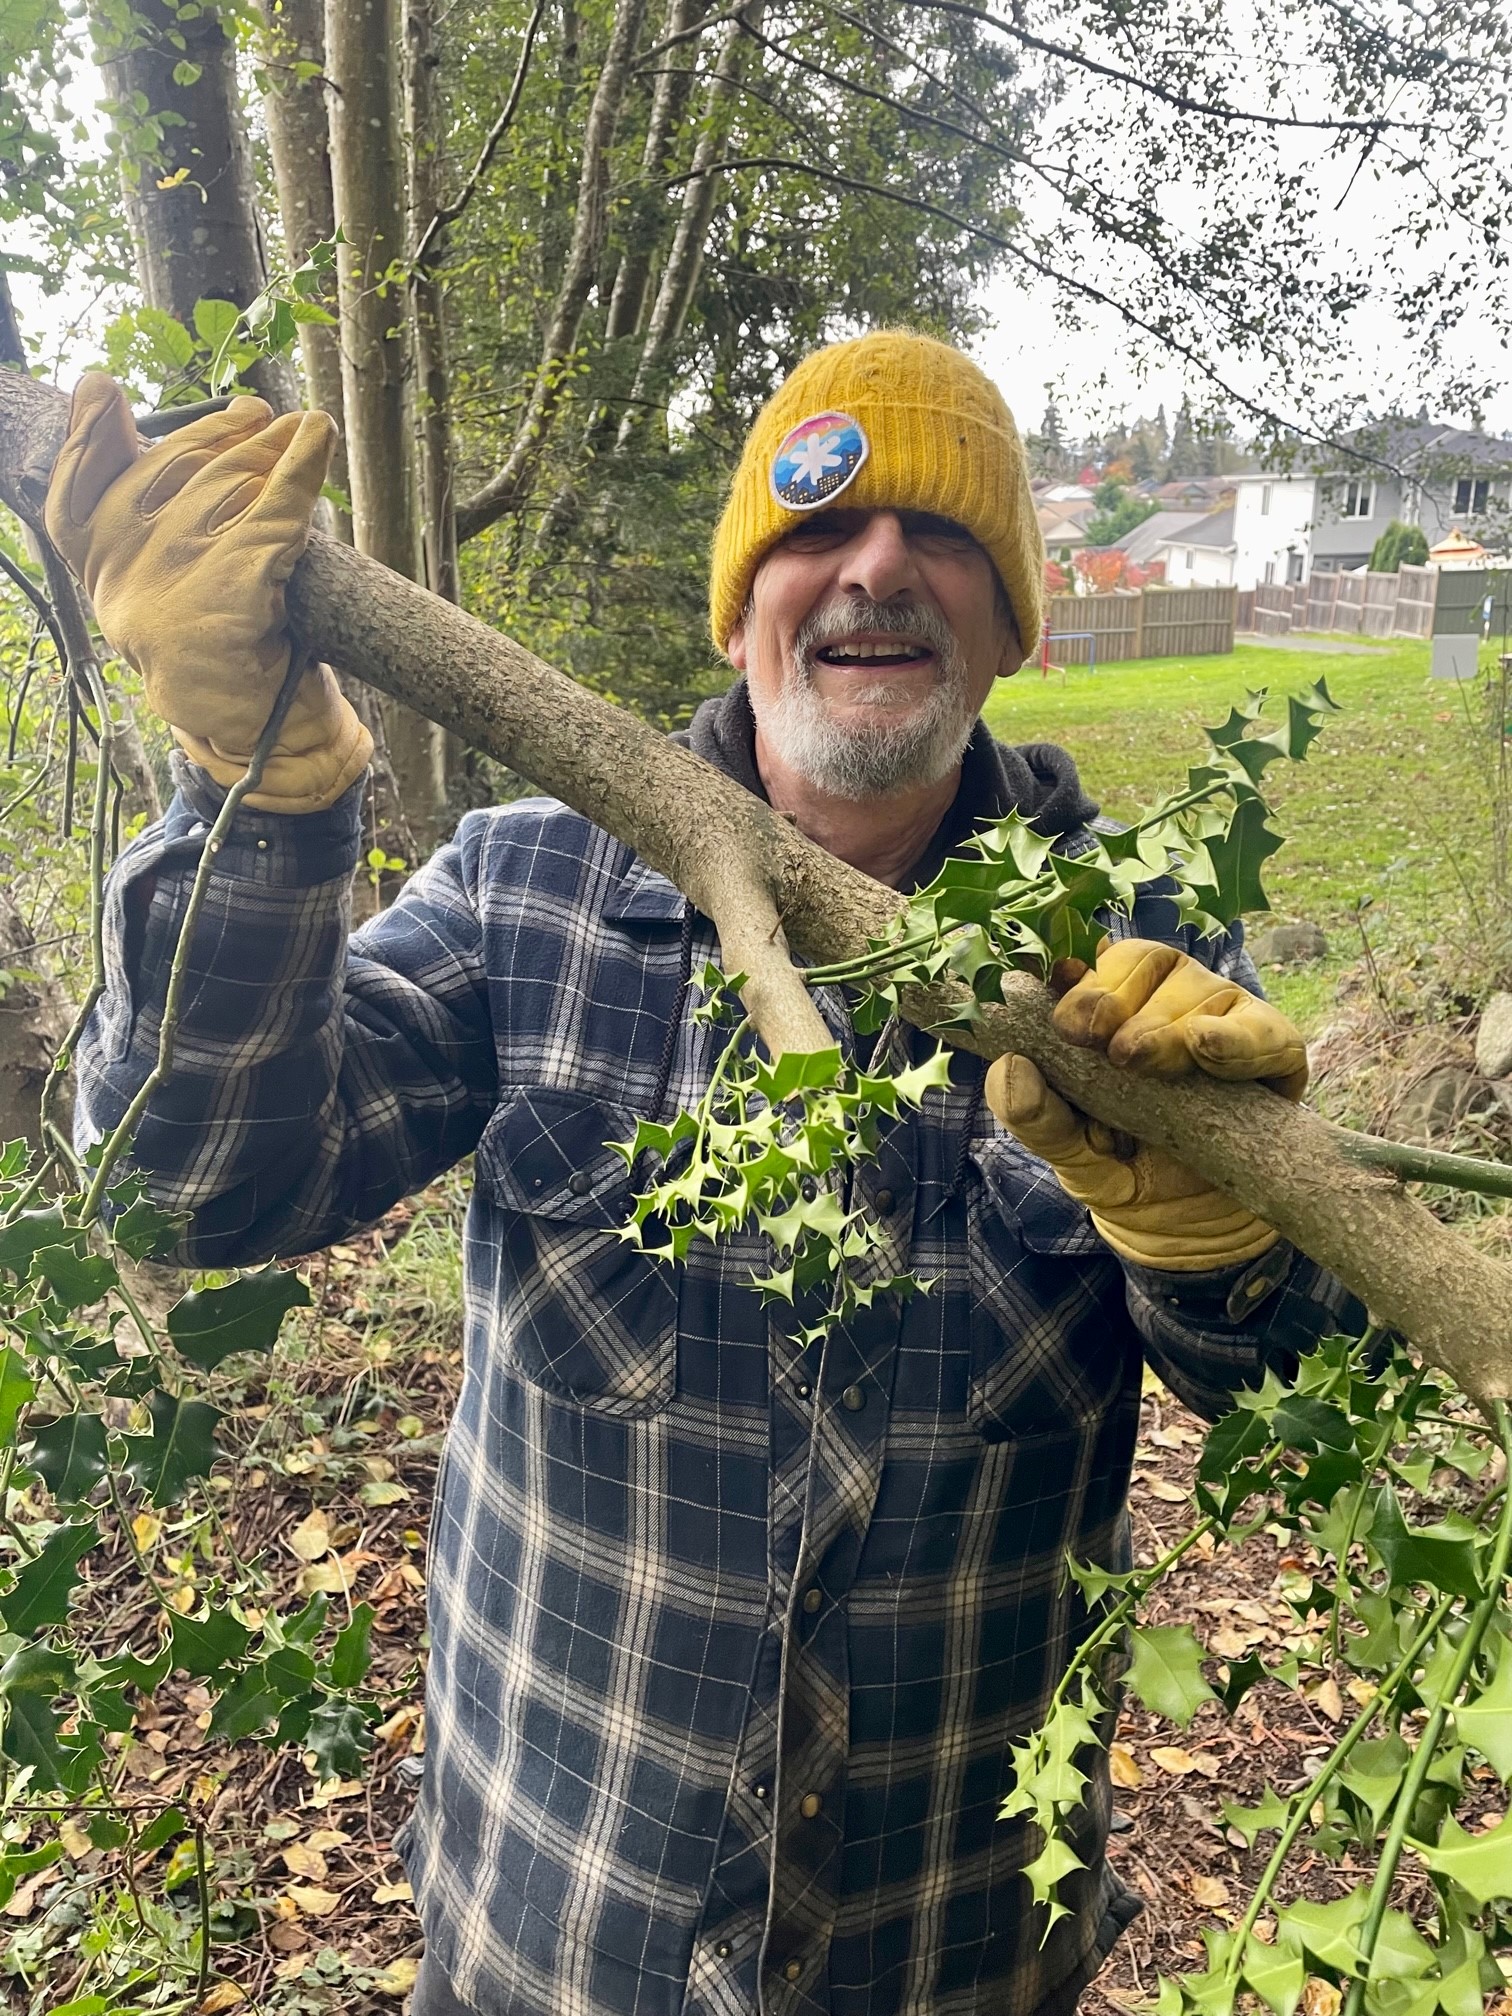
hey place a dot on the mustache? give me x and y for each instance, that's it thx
(857, 615)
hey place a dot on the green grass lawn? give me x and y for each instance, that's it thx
(1393, 802)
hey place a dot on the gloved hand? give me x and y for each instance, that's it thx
(184, 549)
(1157, 1011)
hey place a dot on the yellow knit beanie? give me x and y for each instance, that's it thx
(891, 421)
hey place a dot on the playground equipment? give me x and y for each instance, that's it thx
(1087, 637)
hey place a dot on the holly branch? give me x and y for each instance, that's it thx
(774, 895)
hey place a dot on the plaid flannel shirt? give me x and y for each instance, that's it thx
(729, 1640)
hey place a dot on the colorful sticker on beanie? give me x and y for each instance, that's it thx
(817, 459)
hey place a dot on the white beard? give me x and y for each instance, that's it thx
(883, 752)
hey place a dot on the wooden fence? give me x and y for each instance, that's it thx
(1153, 622)
(1362, 604)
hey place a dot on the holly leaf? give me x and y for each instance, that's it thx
(1486, 1722)
(1326, 1931)
(1374, 1774)
(1252, 1820)
(1166, 1672)
(180, 1447)
(44, 1585)
(30, 1682)
(70, 1454)
(205, 1646)
(1276, 1973)
(351, 1656)
(1481, 1864)
(24, 1235)
(16, 1388)
(142, 1231)
(260, 1692)
(208, 1324)
(1442, 1556)
(75, 1279)
(339, 1738)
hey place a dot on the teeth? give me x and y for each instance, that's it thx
(872, 651)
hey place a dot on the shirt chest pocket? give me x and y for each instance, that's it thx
(1051, 1339)
(584, 1315)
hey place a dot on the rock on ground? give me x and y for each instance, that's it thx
(1493, 1041)
(1287, 944)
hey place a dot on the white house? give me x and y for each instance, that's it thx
(1288, 526)
(1199, 553)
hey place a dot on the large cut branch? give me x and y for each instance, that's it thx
(759, 879)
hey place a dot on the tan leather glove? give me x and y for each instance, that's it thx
(1157, 1011)
(184, 549)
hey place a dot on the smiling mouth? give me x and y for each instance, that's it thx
(874, 654)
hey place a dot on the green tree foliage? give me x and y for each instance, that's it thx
(1399, 546)
(1119, 510)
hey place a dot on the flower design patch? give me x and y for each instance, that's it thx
(817, 459)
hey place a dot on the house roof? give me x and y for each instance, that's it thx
(1145, 540)
(1427, 449)
(1214, 532)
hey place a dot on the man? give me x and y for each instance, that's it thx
(730, 1638)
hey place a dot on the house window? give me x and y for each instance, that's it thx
(1270, 572)
(1472, 494)
(1189, 559)
(1359, 501)
(1294, 567)
(1265, 490)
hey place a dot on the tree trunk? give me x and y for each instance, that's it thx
(674, 79)
(186, 170)
(506, 490)
(438, 524)
(765, 887)
(299, 140)
(34, 1019)
(680, 274)
(367, 178)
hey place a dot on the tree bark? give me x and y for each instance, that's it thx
(505, 490)
(766, 887)
(627, 302)
(190, 202)
(367, 179)
(438, 522)
(299, 140)
(679, 277)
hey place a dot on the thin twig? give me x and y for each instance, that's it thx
(450, 212)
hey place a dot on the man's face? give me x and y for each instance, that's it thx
(869, 644)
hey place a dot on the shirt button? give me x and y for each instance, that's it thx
(804, 1390)
(853, 1399)
(723, 1950)
(884, 1201)
(761, 1789)
(792, 1970)
(812, 1599)
(580, 1182)
(811, 1806)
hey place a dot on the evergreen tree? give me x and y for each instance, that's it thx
(1185, 457)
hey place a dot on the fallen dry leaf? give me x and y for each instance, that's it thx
(1320, 1998)
(322, 1578)
(300, 1859)
(19, 1904)
(312, 1900)
(399, 1724)
(394, 1893)
(311, 1538)
(75, 1839)
(286, 1936)
(1362, 1691)
(145, 1529)
(1209, 1892)
(1162, 1487)
(398, 1977)
(1327, 1696)
(1177, 1762)
(1228, 1643)
(327, 1837)
(224, 1995)
(1123, 1767)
